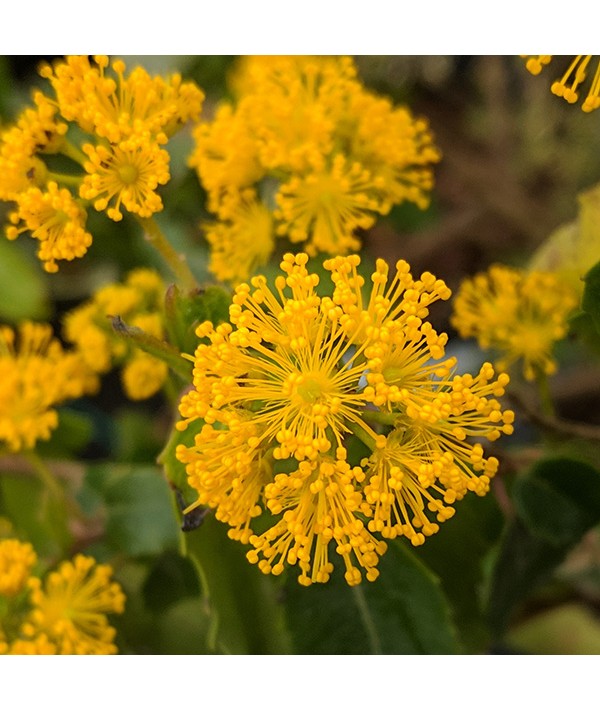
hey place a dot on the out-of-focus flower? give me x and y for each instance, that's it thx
(138, 301)
(112, 128)
(517, 313)
(325, 156)
(283, 386)
(56, 219)
(36, 375)
(64, 613)
(570, 84)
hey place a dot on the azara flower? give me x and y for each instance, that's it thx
(570, 84)
(294, 376)
(321, 153)
(36, 375)
(138, 301)
(109, 130)
(56, 219)
(65, 612)
(517, 313)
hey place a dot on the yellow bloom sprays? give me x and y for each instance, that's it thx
(278, 389)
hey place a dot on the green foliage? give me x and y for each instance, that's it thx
(245, 614)
(135, 502)
(403, 612)
(185, 311)
(556, 502)
(457, 554)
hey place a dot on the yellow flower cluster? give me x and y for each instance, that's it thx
(66, 613)
(278, 389)
(518, 313)
(568, 87)
(139, 302)
(117, 166)
(307, 153)
(36, 375)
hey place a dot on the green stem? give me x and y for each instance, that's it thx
(64, 179)
(381, 418)
(362, 435)
(46, 477)
(367, 620)
(175, 261)
(546, 401)
(71, 151)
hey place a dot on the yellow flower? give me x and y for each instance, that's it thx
(281, 389)
(295, 106)
(118, 166)
(36, 374)
(520, 314)
(54, 218)
(323, 154)
(226, 155)
(36, 130)
(70, 608)
(134, 105)
(16, 561)
(321, 503)
(243, 240)
(139, 302)
(325, 208)
(568, 87)
(143, 376)
(125, 174)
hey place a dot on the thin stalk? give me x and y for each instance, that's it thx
(45, 475)
(174, 260)
(64, 179)
(381, 418)
(71, 151)
(546, 401)
(362, 435)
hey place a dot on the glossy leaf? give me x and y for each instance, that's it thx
(403, 612)
(556, 502)
(246, 615)
(457, 555)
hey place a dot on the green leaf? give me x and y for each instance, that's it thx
(457, 554)
(559, 500)
(185, 311)
(137, 505)
(23, 290)
(403, 612)
(184, 628)
(591, 295)
(174, 469)
(246, 616)
(556, 503)
(171, 578)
